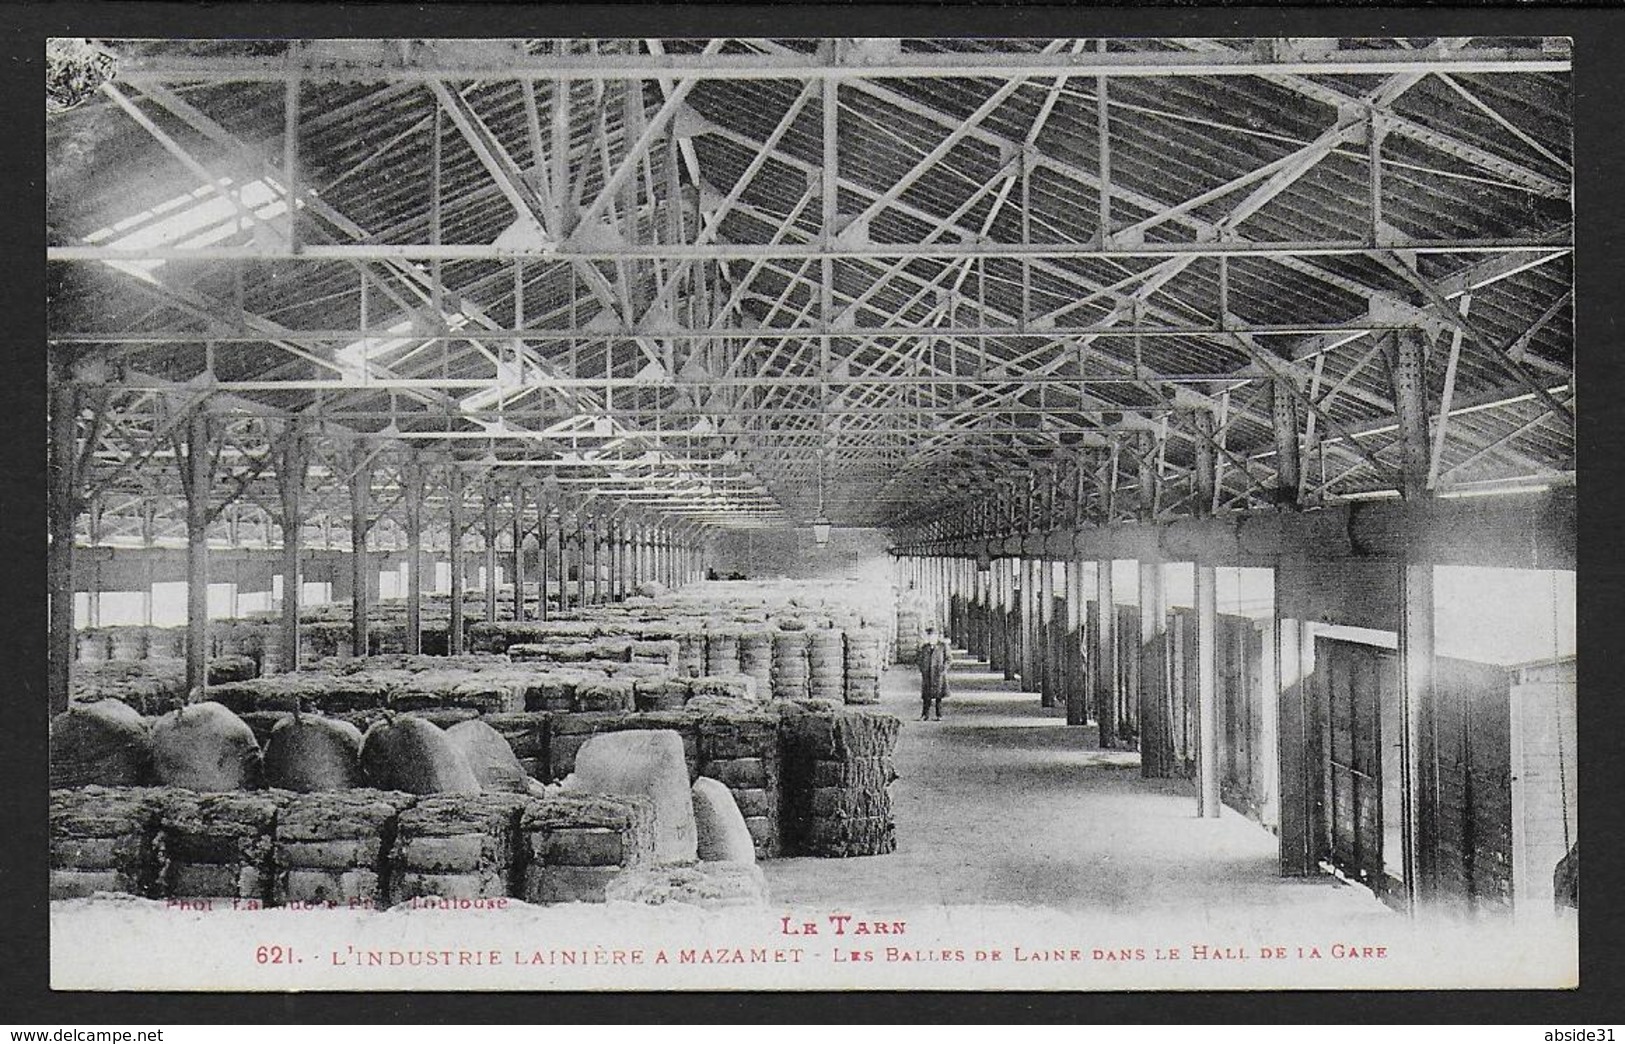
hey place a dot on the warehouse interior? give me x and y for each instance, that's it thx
(1215, 398)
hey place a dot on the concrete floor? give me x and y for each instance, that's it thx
(1000, 803)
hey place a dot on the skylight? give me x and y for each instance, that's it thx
(354, 357)
(199, 218)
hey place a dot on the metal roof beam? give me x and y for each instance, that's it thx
(427, 64)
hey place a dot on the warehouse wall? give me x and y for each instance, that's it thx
(852, 553)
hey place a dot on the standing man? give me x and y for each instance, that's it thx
(933, 662)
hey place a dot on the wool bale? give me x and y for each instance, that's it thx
(335, 846)
(756, 658)
(661, 652)
(205, 747)
(414, 755)
(103, 839)
(634, 671)
(348, 693)
(606, 695)
(722, 651)
(457, 847)
(551, 692)
(576, 844)
(754, 801)
(527, 734)
(850, 803)
(729, 686)
(766, 835)
(308, 753)
(719, 827)
(790, 671)
(709, 885)
(443, 691)
(494, 763)
(218, 844)
(104, 743)
(820, 731)
(844, 838)
(650, 765)
(868, 773)
(234, 667)
(91, 646)
(744, 773)
(864, 655)
(260, 694)
(667, 694)
(262, 723)
(690, 652)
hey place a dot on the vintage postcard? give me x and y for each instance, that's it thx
(995, 513)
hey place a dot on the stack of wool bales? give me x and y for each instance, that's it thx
(219, 845)
(789, 675)
(756, 657)
(575, 845)
(826, 663)
(722, 650)
(335, 846)
(457, 846)
(690, 652)
(864, 650)
(741, 751)
(102, 840)
(910, 629)
(838, 764)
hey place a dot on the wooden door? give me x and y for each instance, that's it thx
(1354, 683)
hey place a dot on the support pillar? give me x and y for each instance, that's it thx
(1012, 618)
(1207, 714)
(290, 474)
(516, 497)
(544, 567)
(63, 510)
(1419, 830)
(1105, 654)
(490, 533)
(198, 481)
(412, 475)
(581, 559)
(1156, 730)
(1298, 770)
(1284, 413)
(454, 551)
(360, 506)
(597, 561)
(1046, 620)
(1077, 688)
(564, 567)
